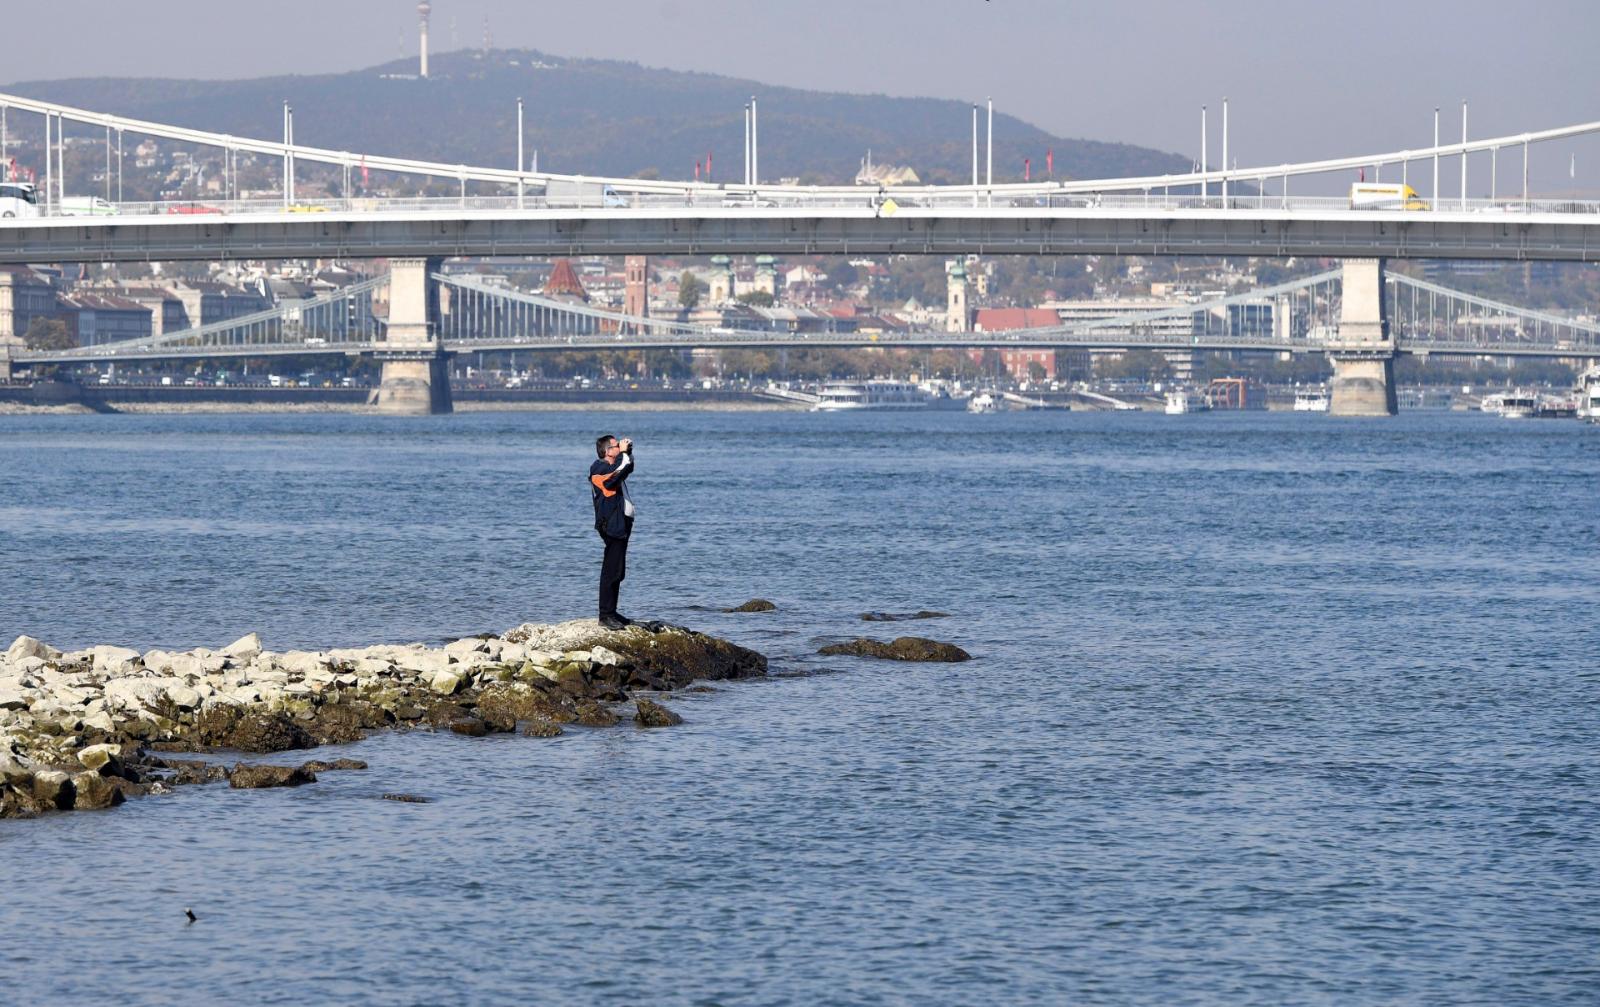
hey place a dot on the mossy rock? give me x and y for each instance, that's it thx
(905, 648)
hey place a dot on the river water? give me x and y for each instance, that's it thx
(1264, 709)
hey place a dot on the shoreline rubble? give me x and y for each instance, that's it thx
(86, 729)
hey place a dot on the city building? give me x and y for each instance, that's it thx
(1017, 360)
(94, 318)
(25, 294)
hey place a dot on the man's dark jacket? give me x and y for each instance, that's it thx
(605, 484)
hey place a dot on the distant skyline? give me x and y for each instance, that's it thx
(1304, 82)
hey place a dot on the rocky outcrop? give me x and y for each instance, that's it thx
(905, 648)
(754, 605)
(249, 777)
(652, 714)
(88, 728)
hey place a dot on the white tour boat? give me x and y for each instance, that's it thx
(1589, 395)
(1518, 405)
(1311, 400)
(841, 396)
(985, 402)
(1181, 400)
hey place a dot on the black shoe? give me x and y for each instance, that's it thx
(612, 622)
(622, 618)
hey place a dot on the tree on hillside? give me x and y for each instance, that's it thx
(1135, 365)
(49, 334)
(690, 290)
(755, 298)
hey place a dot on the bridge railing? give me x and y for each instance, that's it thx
(783, 202)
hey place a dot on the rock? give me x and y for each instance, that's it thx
(653, 714)
(267, 732)
(133, 694)
(905, 648)
(592, 714)
(12, 698)
(319, 766)
(541, 728)
(27, 646)
(117, 660)
(190, 771)
(894, 617)
(472, 727)
(606, 657)
(53, 789)
(446, 683)
(754, 605)
(665, 658)
(244, 648)
(302, 662)
(103, 759)
(470, 645)
(183, 696)
(423, 662)
(91, 792)
(249, 777)
(405, 798)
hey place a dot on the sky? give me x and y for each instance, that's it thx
(1304, 80)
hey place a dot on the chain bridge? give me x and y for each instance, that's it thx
(460, 313)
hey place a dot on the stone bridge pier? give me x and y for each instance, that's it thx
(416, 376)
(1363, 358)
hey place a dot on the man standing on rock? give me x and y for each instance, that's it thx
(613, 519)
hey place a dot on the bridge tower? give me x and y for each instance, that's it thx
(1363, 358)
(416, 379)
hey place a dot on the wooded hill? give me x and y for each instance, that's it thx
(595, 117)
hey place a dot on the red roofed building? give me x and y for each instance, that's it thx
(564, 282)
(1016, 360)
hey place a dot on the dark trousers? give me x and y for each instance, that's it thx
(613, 571)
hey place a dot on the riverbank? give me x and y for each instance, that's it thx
(88, 729)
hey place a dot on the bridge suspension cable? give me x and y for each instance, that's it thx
(293, 152)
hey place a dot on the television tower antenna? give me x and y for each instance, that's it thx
(423, 10)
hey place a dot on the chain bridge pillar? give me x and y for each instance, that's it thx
(5, 359)
(1363, 358)
(416, 378)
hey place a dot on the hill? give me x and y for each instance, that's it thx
(599, 117)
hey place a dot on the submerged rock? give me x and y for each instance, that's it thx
(653, 714)
(539, 728)
(406, 798)
(902, 617)
(593, 714)
(905, 648)
(754, 605)
(251, 777)
(319, 766)
(470, 726)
